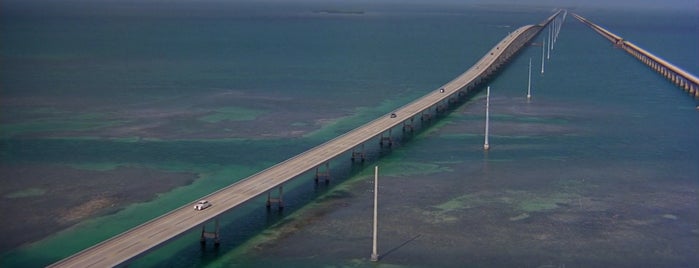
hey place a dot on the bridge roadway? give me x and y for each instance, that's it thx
(140, 239)
(677, 75)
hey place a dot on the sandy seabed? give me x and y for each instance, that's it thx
(570, 223)
(38, 200)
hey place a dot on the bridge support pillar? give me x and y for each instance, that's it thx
(324, 175)
(278, 200)
(408, 126)
(358, 154)
(682, 83)
(215, 235)
(425, 117)
(440, 109)
(386, 139)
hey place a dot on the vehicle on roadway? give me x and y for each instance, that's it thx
(201, 205)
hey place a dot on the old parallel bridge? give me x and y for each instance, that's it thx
(140, 239)
(681, 78)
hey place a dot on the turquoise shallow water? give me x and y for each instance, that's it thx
(598, 170)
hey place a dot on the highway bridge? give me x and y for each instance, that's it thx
(676, 75)
(132, 243)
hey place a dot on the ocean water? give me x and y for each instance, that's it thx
(598, 169)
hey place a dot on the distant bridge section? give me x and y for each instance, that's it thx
(679, 77)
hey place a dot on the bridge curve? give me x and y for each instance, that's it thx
(676, 75)
(140, 239)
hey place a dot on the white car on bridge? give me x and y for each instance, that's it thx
(201, 205)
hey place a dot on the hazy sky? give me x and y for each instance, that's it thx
(685, 6)
(665, 4)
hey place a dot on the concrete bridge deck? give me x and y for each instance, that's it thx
(140, 239)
